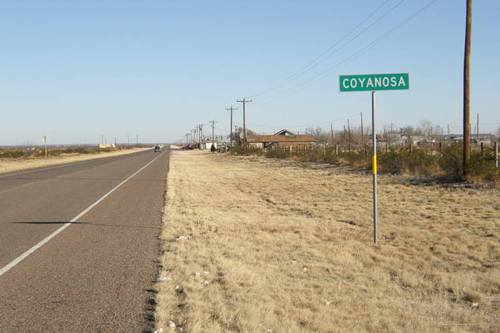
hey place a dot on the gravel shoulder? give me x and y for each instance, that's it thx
(259, 245)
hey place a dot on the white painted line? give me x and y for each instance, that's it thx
(23, 256)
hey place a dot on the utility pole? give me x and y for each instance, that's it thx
(362, 133)
(349, 131)
(244, 102)
(466, 97)
(231, 109)
(45, 146)
(212, 123)
(477, 128)
(200, 133)
(331, 133)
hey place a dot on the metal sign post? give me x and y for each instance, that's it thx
(374, 172)
(374, 82)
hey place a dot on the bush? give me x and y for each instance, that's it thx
(482, 168)
(451, 161)
(392, 163)
(244, 151)
(355, 158)
(425, 162)
(278, 153)
(12, 153)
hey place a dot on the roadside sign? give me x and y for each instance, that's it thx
(373, 82)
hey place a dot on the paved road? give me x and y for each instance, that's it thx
(94, 275)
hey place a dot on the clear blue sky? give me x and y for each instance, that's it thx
(76, 70)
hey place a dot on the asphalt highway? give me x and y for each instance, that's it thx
(79, 243)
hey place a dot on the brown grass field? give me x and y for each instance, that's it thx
(261, 245)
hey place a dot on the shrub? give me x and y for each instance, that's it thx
(451, 161)
(392, 163)
(278, 153)
(244, 151)
(12, 153)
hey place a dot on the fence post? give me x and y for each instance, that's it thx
(482, 150)
(410, 147)
(386, 147)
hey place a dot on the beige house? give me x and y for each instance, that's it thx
(282, 139)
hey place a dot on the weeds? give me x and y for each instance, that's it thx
(445, 164)
(17, 153)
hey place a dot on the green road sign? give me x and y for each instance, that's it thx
(372, 82)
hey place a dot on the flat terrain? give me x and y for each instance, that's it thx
(11, 164)
(94, 276)
(259, 245)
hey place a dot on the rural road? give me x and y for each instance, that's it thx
(92, 274)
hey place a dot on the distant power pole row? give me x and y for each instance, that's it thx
(196, 135)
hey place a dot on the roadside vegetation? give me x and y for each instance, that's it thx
(15, 159)
(444, 164)
(36, 152)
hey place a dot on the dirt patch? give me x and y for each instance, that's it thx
(9, 165)
(258, 245)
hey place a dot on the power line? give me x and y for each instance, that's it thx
(325, 55)
(323, 74)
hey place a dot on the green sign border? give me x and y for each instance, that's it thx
(405, 76)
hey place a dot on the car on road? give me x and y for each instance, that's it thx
(157, 149)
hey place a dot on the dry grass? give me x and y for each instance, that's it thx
(9, 165)
(259, 245)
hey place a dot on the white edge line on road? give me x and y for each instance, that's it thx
(44, 241)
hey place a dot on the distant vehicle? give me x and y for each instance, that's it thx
(157, 149)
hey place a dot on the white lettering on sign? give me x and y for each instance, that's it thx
(376, 82)
(345, 83)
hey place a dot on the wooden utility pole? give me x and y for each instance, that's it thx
(349, 130)
(244, 102)
(362, 133)
(212, 123)
(466, 97)
(477, 128)
(231, 109)
(331, 133)
(46, 152)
